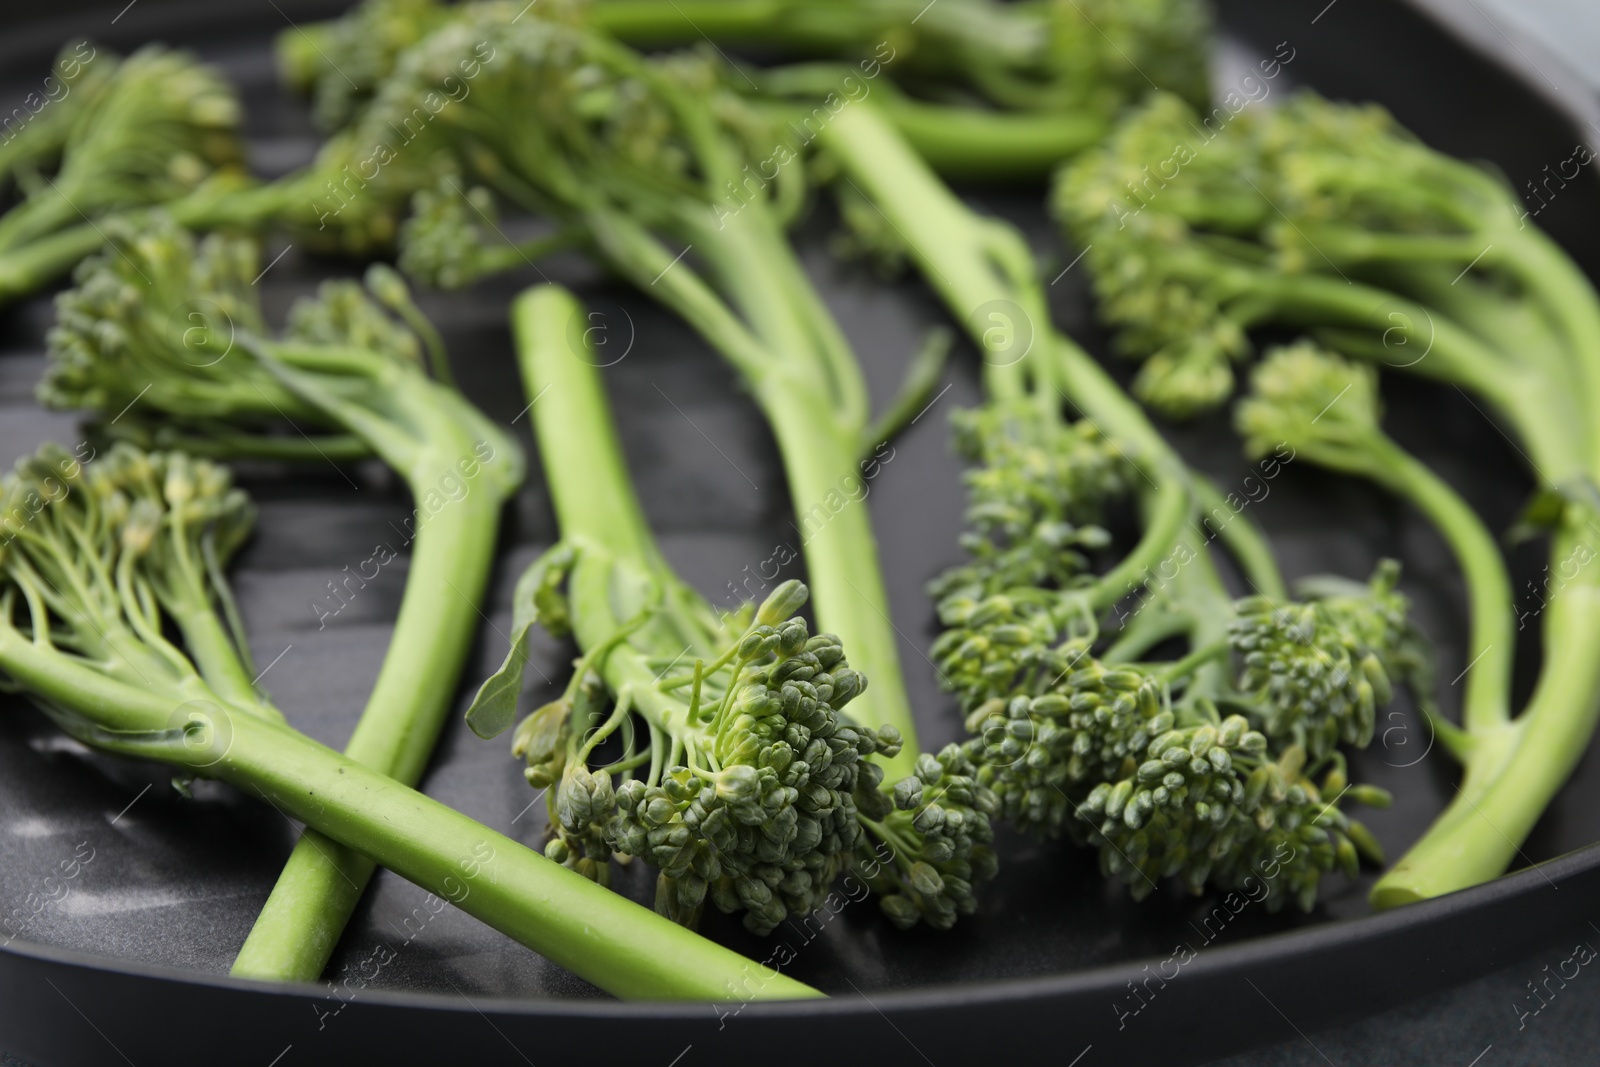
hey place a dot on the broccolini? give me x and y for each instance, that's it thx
(99, 558)
(164, 336)
(1333, 218)
(1206, 768)
(752, 787)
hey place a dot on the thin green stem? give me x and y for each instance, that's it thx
(593, 496)
(818, 430)
(1168, 509)
(210, 645)
(322, 881)
(847, 589)
(984, 144)
(46, 212)
(1492, 643)
(755, 265)
(1175, 670)
(1567, 295)
(620, 569)
(1243, 539)
(619, 714)
(1144, 632)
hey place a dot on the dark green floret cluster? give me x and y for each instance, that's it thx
(1038, 490)
(770, 829)
(938, 839)
(1194, 769)
(1323, 667)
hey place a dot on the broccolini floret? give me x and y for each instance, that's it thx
(160, 126)
(156, 127)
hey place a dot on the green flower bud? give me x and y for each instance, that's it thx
(782, 603)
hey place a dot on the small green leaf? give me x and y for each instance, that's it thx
(1543, 512)
(538, 599)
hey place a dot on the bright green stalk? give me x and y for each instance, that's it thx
(1492, 637)
(449, 568)
(219, 655)
(1512, 771)
(959, 141)
(824, 28)
(590, 487)
(1245, 543)
(26, 270)
(971, 143)
(842, 565)
(1432, 268)
(596, 934)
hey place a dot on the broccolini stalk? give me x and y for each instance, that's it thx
(751, 787)
(1063, 57)
(1188, 768)
(214, 381)
(98, 558)
(574, 126)
(1005, 90)
(957, 140)
(1333, 218)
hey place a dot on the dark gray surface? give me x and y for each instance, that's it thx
(1495, 1021)
(175, 883)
